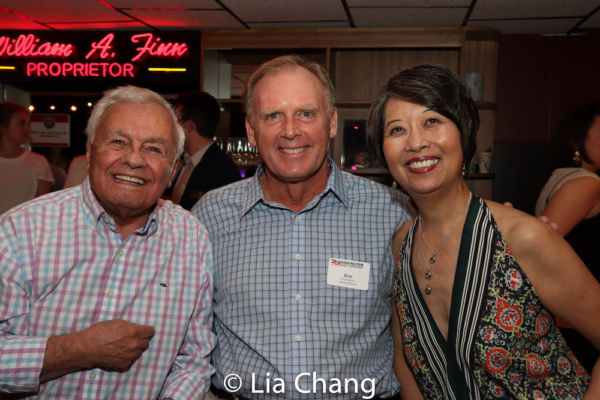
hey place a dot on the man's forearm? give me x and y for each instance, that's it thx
(63, 356)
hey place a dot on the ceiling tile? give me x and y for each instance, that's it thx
(592, 23)
(197, 4)
(512, 9)
(287, 10)
(63, 10)
(98, 25)
(310, 24)
(11, 21)
(408, 3)
(529, 26)
(187, 19)
(408, 17)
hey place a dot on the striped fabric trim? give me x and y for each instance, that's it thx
(430, 344)
(473, 270)
(478, 259)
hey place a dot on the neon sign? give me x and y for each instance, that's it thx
(80, 69)
(28, 46)
(151, 47)
(90, 55)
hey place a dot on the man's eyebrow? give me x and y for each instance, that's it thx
(268, 111)
(146, 140)
(156, 140)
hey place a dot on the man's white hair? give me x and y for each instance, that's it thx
(133, 94)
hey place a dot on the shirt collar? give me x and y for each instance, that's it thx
(197, 156)
(96, 214)
(335, 185)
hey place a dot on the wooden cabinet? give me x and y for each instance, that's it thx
(358, 61)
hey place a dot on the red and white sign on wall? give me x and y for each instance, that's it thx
(50, 130)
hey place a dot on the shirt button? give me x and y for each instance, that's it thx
(111, 293)
(92, 376)
(120, 252)
(298, 218)
(298, 256)
(298, 297)
(298, 338)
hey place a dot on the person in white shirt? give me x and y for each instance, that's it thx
(25, 174)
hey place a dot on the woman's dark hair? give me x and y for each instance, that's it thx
(571, 134)
(434, 87)
(7, 110)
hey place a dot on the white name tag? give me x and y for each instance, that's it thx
(348, 273)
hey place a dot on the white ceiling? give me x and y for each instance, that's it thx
(505, 16)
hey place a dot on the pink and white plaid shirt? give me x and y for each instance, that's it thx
(64, 267)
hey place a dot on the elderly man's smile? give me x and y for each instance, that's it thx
(130, 179)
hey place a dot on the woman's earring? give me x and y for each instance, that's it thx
(577, 157)
(464, 168)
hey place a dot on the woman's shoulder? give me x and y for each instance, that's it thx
(520, 230)
(403, 231)
(36, 158)
(400, 235)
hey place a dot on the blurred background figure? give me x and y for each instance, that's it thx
(77, 171)
(206, 166)
(54, 157)
(25, 174)
(571, 198)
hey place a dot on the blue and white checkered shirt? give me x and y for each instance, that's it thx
(275, 315)
(64, 267)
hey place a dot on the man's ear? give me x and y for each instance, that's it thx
(333, 124)
(250, 132)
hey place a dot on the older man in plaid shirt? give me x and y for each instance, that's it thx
(105, 290)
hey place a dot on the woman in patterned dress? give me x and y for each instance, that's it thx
(476, 282)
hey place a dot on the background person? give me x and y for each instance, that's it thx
(25, 175)
(105, 290)
(206, 166)
(476, 282)
(571, 197)
(77, 171)
(279, 241)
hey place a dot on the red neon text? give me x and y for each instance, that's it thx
(153, 48)
(80, 69)
(104, 45)
(29, 46)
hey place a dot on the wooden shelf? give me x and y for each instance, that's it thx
(484, 105)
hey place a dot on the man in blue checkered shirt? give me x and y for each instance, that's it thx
(302, 254)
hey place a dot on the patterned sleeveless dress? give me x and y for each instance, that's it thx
(502, 343)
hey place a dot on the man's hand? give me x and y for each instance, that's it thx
(115, 345)
(111, 345)
(545, 220)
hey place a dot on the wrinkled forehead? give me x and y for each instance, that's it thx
(148, 121)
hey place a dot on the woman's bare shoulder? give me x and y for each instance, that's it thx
(521, 230)
(400, 235)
